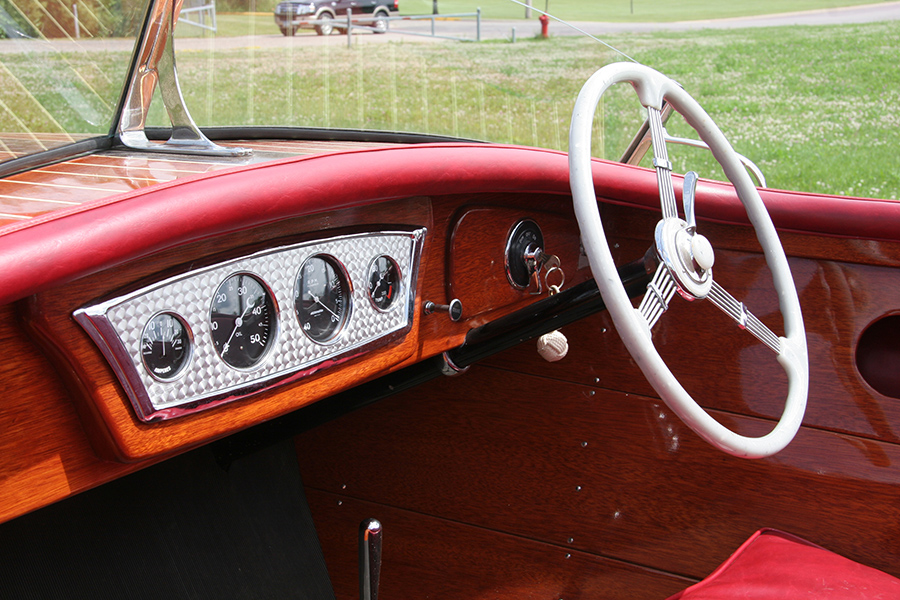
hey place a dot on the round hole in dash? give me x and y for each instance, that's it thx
(878, 354)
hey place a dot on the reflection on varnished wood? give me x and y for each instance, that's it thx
(726, 368)
(428, 557)
(608, 473)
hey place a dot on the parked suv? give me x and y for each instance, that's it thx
(327, 16)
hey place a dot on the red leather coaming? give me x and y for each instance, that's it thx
(773, 565)
(62, 246)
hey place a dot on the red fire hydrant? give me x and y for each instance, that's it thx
(545, 23)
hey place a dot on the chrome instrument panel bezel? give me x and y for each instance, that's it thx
(115, 325)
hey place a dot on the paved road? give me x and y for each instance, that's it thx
(500, 29)
(490, 29)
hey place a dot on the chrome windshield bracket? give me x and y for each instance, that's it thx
(639, 145)
(155, 65)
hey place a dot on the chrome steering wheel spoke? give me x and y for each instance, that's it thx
(659, 293)
(743, 317)
(662, 164)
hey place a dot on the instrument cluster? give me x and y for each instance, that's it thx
(223, 332)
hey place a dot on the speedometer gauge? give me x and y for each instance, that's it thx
(322, 298)
(242, 320)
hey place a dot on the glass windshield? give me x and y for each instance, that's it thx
(493, 91)
(811, 105)
(62, 68)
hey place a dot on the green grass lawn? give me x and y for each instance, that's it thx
(814, 107)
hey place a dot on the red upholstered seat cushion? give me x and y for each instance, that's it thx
(773, 564)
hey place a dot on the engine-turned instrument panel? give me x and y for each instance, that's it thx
(220, 333)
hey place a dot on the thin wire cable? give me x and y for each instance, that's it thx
(578, 29)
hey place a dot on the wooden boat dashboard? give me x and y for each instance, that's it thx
(568, 479)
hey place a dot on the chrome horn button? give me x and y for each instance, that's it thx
(688, 255)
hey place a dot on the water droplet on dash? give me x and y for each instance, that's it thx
(571, 540)
(340, 502)
(577, 488)
(584, 444)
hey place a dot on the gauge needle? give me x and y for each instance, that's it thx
(319, 302)
(169, 328)
(237, 325)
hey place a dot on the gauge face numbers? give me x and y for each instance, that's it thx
(165, 346)
(384, 282)
(242, 320)
(322, 298)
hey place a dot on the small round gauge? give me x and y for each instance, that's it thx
(243, 320)
(165, 346)
(384, 282)
(322, 297)
(524, 237)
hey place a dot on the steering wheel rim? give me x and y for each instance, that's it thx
(652, 89)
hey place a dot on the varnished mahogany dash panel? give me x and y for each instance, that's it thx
(726, 368)
(45, 454)
(606, 473)
(477, 273)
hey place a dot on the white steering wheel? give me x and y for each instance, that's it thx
(686, 259)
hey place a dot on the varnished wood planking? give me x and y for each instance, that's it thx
(617, 474)
(428, 557)
(82, 179)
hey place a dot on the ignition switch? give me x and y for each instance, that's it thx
(524, 242)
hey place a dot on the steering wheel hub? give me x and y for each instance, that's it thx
(688, 255)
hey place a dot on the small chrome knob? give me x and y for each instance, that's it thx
(454, 309)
